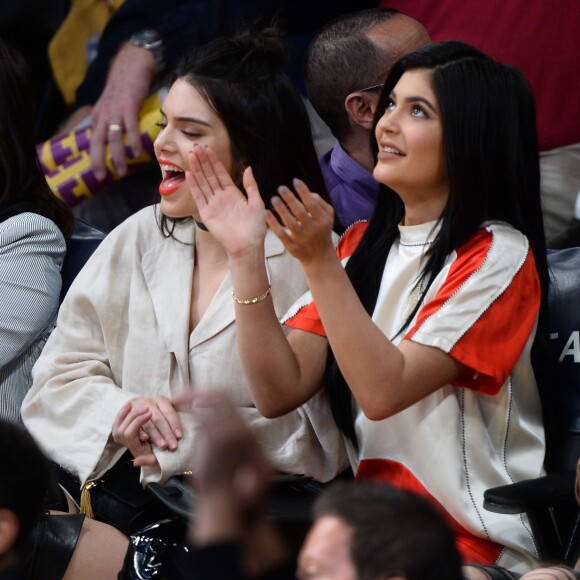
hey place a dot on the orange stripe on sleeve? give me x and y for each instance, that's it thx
(469, 258)
(307, 317)
(492, 344)
(350, 240)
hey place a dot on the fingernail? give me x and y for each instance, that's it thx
(179, 434)
(297, 182)
(276, 200)
(100, 175)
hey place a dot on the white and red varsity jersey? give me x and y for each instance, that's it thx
(483, 430)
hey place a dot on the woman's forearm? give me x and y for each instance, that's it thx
(383, 378)
(279, 382)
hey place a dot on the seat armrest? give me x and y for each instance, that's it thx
(79, 248)
(530, 494)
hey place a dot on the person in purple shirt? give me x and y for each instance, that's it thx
(351, 187)
(346, 64)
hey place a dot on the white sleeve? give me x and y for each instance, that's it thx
(74, 399)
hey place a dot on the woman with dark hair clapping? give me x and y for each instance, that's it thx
(425, 342)
(152, 311)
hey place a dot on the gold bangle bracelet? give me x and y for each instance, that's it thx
(253, 300)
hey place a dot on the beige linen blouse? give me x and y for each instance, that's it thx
(123, 332)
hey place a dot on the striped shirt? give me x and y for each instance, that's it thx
(32, 249)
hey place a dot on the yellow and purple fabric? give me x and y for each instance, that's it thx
(66, 163)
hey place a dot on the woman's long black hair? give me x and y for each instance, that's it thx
(21, 178)
(242, 79)
(491, 161)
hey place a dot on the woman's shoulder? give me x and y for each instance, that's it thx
(499, 237)
(145, 220)
(137, 233)
(497, 249)
(27, 221)
(31, 228)
(146, 223)
(139, 238)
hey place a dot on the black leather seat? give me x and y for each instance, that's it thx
(549, 501)
(79, 248)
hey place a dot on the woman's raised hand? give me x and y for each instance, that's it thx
(307, 223)
(235, 221)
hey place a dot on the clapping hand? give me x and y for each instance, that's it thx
(305, 224)
(235, 220)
